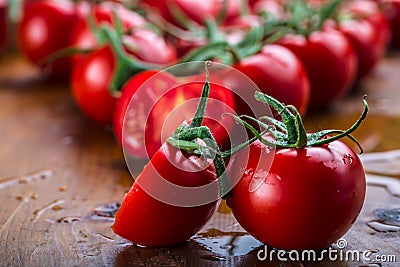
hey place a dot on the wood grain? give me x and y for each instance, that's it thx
(57, 167)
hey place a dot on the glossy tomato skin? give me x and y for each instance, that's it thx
(280, 74)
(90, 82)
(330, 62)
(392, 11)
(45, 28)
(308, 200)
(147, 221)
(122, 105)
(166, 103)
(366, 42)
(371, 11)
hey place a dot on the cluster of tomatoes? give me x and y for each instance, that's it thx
(305, 54)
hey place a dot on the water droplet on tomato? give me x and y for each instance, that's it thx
(249, 171)
(257, 180)
(348, 159)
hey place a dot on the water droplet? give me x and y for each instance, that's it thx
(108, 210)
(227, 243)
(257, 180)
(385, 163)
(249, 171)
(392, 185)
(388, 216)
(69, 219)
(348, 159)
(213, 258)
(24, 179)
(382, 227)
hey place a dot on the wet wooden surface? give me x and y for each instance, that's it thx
(59, 171)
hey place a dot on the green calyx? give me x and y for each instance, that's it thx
(197, 139)
(289, 132)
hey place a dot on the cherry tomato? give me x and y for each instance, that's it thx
(279, 73)
(157, 112)
(330, 62)
(45, 28)
(92, 74)
(366, 43)
(147, 221)
(3, 26)
(308, 200)
(90, 81)
(369, 10)
(392, 11)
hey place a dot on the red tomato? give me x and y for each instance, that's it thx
(308, 200)
(278, 73)
(366, 43)
(156, 112)
(3, 26)
(45, 28)
(392, 11)
(136, 119)
(147, 221)
(330, 62)
(92, 74)
(366, 9)
(82, 36)
(90, 82)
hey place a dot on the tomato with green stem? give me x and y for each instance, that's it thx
(313, 191)
(152, 214)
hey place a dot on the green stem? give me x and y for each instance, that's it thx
(201, 108)
(126, 66)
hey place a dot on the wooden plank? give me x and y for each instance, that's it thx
(57, 168)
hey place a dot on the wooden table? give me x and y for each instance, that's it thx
(60, 174)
